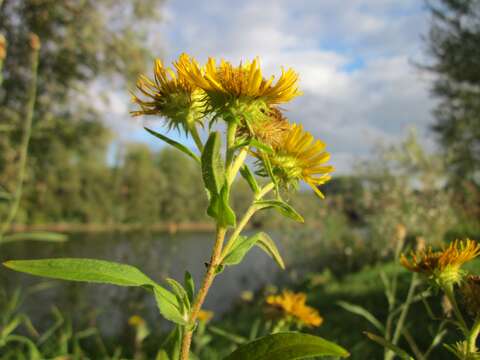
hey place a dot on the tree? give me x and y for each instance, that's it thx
(82, 42)
(453, 42)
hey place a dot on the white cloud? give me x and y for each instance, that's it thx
(353, 58)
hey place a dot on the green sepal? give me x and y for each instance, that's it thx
(287, 346)
(282, 207)
(261, 146)
(175, 144)
(250, 178)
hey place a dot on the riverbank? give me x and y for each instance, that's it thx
(169, 227)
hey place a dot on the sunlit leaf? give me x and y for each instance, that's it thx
(213, 171)
(189, 286)
(250, 178)
(239, 249)
(282, 207)
(266, 243)
(175, 144)
(169, 306)
(287, 346)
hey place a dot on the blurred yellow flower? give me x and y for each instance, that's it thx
(443, 266)
(205, 315)
(171, 96)
(136, 320)
(293, 304)
(298, 156)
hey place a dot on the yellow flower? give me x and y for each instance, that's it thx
(171, 96)
(293, 305)
(298, 156)
(205, 315)
(239, 92)
(3, 48)
(443, 266)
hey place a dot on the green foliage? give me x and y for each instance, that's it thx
(287, 346)
(453, 44)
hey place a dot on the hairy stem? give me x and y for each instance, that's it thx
(202, 293)
(27, 132)
(231, 133)
(196, 138)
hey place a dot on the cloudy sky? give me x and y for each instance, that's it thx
(354, 58)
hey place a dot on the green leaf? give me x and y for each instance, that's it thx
(237, 339)
(36, 236)
(287, 346)
(89, 270)
(162, 355)
(250, 178)
(239, 249)
(387, 344)
(189, 286)
(361, 311)
(282, 207)
(261, 146)
(266, 243)
(220, 209)
(175, 144)
(169, 306)
(180, 293)
(172, 343)
(212, 165)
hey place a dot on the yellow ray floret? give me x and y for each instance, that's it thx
(299, 156)
(293, 304)
(171, 96)
(243, 81)
(443, 266)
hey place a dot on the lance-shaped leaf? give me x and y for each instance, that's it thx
(287, 346)
(250, 178)
(389, 345)
(282, 207)
(175, 144)
(212, 165)
(189, 286)
(361, 311)
(102, 272)
(239, 249)
(266, 243)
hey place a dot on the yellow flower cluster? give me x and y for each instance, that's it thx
(443, 267)
(293, 305)
(243, 96)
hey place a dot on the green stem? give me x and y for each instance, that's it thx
(27, 132)
(196, 138)
(472, 337)
(236, 165)
(403, 315)
(246, 217)
(448, 290)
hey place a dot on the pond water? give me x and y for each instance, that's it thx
(157, 255)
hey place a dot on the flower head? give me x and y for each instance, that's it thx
(293, 305)
(171, 96)
(239, 92)
(299, 157)
(443, 267)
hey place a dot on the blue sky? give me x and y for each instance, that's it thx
(354, 58)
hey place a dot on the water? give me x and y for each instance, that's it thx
(158, 256)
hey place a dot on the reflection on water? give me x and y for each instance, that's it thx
(158, 255)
